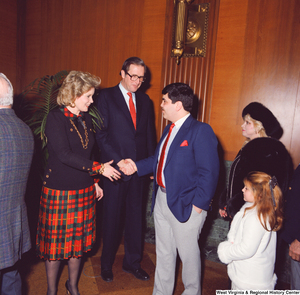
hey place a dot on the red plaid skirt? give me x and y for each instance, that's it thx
(67, 223)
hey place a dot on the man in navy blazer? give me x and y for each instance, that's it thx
(16, 150)
(128, 132)
(182, 190)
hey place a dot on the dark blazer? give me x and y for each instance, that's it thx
(16, 149)
(69, 163)
(118, 139)
(291, 228)
(191, 171)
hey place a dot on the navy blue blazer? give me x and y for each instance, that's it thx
(191, 171)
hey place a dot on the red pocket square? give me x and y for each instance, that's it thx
(184, 143)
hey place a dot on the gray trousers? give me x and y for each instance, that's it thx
(172, 236)
(295, 275)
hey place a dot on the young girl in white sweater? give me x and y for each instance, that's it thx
(251, 246)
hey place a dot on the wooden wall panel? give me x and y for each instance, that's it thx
(228, 74)
(152, 48)
(8, 39)
(272, 61)
(257, 59)
(195, 71)
(95, 36)
(253, 54)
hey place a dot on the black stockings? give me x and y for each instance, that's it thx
(74, 268)
(52, 268)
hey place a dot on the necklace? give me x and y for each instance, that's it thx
(85, 133)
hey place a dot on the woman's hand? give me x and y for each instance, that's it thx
(110, 172)
(99, 192)
(223, 213)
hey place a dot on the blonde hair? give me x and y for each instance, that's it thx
(75, 85)
(263, 200)
(258, 127)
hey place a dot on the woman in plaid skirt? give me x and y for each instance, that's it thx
(66, 227)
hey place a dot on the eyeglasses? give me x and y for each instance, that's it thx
(135, 77)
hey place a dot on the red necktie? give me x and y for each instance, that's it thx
(161, 159)
(132, 109)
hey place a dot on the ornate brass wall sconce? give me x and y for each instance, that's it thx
(189, 29)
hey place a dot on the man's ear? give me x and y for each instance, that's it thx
(178, 105)
(123, 74)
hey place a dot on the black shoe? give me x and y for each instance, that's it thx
(67, 287)
(138, 273)
(107, 275)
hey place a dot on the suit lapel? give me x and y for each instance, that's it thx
(121, 103)
(139, 106)
(180, 136)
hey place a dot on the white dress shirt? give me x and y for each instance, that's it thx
(176, 128)
(126, 96)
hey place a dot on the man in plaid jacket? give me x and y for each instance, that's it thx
(16, 149)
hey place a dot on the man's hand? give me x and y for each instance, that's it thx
(198, 210)
(294, 250)
(127, 166)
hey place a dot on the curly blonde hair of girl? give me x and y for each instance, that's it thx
(268, 214)
(75, 85)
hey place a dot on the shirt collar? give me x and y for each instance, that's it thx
(180, 122)
(124, 92)
(68, 114)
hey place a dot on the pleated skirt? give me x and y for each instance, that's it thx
(67, 223)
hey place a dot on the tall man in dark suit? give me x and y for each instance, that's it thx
(128, 132)
(16, 149)
(186, 169)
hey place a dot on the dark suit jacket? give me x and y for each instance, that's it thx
(191, 172)
(16, 149)
(291, 229)
(118, 139)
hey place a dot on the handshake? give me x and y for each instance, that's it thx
(127, 166)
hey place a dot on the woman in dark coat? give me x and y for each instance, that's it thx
(262, 151)
(66, 227)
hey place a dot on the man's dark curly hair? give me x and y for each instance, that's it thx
(180, 92)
